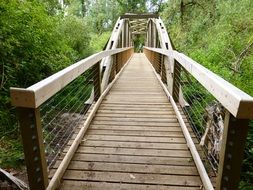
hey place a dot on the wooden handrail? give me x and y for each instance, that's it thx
(37, 94)
(28, 103)
(237, 102)
(239, 109)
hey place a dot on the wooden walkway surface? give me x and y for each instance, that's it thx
(135, 141)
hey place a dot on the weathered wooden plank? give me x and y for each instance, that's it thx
(134, 128)
(133, 123)
(138, 128)
(140, 145)
(136, 115)
(141, 104)
(131, 168)
(134, 151)
(141, 120)
(134, 101)
(137, 98)
(133, 159)
(147, 109)
(136, 104)
(136, 123)
(75, 185)
(134, 138)
(136, 133)
(144, 114)
(138, 178)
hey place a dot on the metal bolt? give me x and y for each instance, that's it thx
(35, 148)
(230, 143)
(225, 178)
(232, 132)
(37, 169)
(228, 167)
(36, 159)
(32, 126)
(33, 137)
(39, 179)
(229, 156)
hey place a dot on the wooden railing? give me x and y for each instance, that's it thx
(29, 101)
(238, 106)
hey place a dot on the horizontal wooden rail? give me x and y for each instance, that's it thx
(28, 102)
(55, 181)
(237, 102)
(239, 109)
(40, 92)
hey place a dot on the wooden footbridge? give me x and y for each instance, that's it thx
(125, 120)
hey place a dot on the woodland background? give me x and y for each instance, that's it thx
(40, 37)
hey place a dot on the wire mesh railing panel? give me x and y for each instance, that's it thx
(62, 114)
(204, 113)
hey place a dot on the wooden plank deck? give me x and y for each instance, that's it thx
(134, 141)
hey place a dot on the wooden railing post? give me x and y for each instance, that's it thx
(31, 131)
(176, 81)
(96, 80)
(163, 70)
(231, 155)
(119, 60)
(117, 64)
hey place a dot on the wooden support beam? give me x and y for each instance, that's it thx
(140, 16)
(113, 70)
(31, 132)
(231, 155)
(96, 80)
(117, 63)
(151, 34)
(163, 71)
(176, 81)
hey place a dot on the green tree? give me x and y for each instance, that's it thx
(33, 45)
(219, 35)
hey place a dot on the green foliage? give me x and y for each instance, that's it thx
(139, 41)
(133, 6)
(77, 35)
(11, 153)
(98, 41)
(216, 33)
(34, 43)
(38, 38)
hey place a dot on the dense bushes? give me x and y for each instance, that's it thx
(218, 34)
(33, 45)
